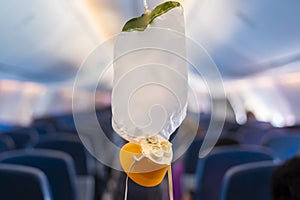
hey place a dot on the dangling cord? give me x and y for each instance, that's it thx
(146, 6)
(126, 188)
(170, 181)
(132, 165)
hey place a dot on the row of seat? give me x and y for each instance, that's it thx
(257, 133)
(41, 140)
(224, 175)
(283, 147)
(46, 133)
(56, 166)
(80, 171)
(68, 143)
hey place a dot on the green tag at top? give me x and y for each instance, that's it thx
(141, 23)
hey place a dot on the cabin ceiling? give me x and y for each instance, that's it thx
(46, 41)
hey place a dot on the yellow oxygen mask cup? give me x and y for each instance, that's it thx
(147, 162)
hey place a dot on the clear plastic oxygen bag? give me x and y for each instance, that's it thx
(149, 96)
